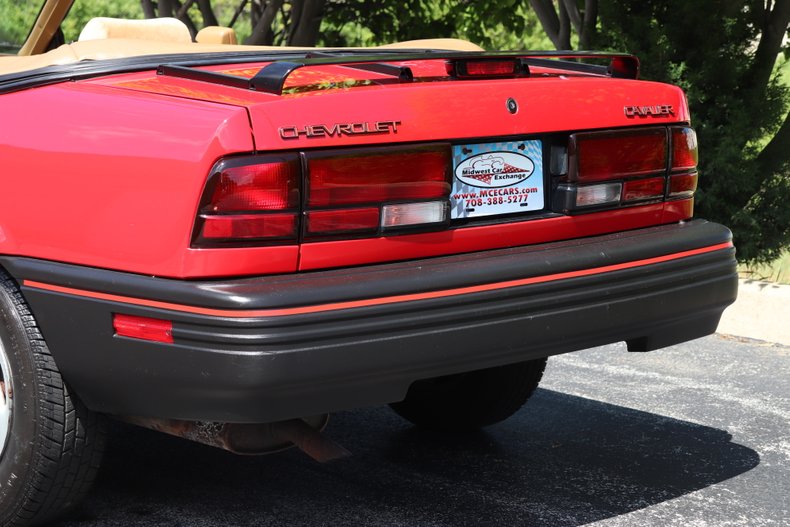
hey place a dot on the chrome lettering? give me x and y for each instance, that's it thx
(339, 129)
(659, 110)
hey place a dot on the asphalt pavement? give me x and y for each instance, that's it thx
(692, 435)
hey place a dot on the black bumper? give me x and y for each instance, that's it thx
(324, 341)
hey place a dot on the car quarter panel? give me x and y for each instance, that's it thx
(113, 179)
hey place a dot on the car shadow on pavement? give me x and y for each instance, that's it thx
(562, 460)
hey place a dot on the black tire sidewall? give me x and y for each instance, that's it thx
(469, 401)
(17, 461)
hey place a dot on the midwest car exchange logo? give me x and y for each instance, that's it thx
(494, 169)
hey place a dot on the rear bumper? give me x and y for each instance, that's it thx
(271, 348)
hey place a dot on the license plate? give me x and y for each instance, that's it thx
(496, 178)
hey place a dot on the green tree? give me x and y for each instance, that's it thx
(504, 24)
(723, 54)
(16, 19)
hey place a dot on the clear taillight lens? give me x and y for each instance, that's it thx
(409, 214)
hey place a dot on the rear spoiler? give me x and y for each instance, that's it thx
(271, 78)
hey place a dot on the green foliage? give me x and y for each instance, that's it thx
(710, 57)
(507, 24)
(16, 19)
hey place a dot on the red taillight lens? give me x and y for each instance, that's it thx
(245, 226)
(599, 156)
(143, 328)
(643, 189)
(685, 152)
(682, 185)
(649, 164)
(343, 220)
(255, 184)
(251, 198)
(490, 67)
(377, 176)
(466, 68)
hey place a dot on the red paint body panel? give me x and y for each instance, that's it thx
(320, 255)
(123, 160)
(116, 177)
(428, 111)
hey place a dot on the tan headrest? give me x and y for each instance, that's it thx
(451, 44)
(216, 35)
(158, 29)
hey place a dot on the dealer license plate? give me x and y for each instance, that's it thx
(496, 178)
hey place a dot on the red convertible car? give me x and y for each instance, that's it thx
(227, 243)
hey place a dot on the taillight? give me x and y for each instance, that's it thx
(248, 226)
(376, 176)
(598, 156)
(251, 199)
(623, 167)
(682, 185)
(343, 220)
(378, 191)
(684, 149)
(370, 189)
(257, 200)
(487, 68)
(683, 177)
(641, 189)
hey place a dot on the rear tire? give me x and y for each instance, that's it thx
(468, 401)
(50, 444)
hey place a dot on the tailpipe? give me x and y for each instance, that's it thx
(253, 439)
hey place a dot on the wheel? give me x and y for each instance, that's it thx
(468, 401)
(50, 444)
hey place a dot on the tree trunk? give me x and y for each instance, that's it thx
(588, 24)
(305, 22)
(773, 32)
(262, 34)
(148, 8)
(574, 14)
(773, 158)
(255, 15)
(209, 18)
(183, 16)
(165, 7)
(556, 26)
(584, 24)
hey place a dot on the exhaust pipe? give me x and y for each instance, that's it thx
(253, 439)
